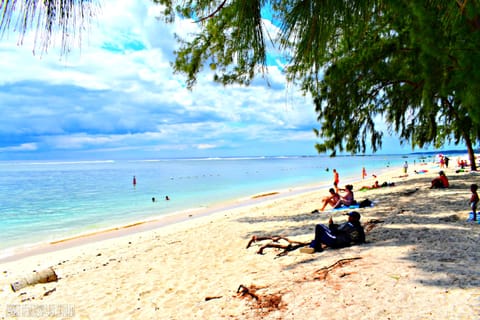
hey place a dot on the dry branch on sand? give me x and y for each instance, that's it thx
(264, 303)
(322, 273)
(292, 245)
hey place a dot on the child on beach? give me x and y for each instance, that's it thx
(473, 202)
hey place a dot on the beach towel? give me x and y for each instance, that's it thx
(363, 204)
(353, 206)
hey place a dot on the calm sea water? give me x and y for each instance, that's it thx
(45, 201)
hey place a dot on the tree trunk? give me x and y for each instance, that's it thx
(471, 154)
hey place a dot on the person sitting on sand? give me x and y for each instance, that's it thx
(337, 235)
(332, 200)
(473, 202)
(348, 199)
(440, 182)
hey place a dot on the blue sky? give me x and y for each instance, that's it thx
(115, 97)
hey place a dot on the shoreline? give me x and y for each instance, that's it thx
(419, 262)
(79, 215)
(15, 253)
(171, 219)
(18, 252)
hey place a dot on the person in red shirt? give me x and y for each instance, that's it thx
(441, 181)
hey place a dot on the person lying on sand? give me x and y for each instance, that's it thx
(374, 186)
(337, 236)
(377, 185)
(420, 171)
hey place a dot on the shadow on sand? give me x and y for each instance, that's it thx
(430, 220)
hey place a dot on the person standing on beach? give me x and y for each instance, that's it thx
(405, 167)
(442, 161)
(473, 202)
(364, 173)
(447, 159)
(134, 181)
(336, 179)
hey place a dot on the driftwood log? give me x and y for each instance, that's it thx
(292, 245)
(43, 276)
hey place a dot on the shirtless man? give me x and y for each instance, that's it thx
(336, 179)
(332, 199)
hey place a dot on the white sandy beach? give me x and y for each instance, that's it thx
(420, 262)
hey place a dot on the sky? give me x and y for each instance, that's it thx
(116, 97)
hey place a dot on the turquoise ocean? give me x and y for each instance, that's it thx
(42, 201)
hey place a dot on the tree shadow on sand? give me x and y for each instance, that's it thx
(431, 221)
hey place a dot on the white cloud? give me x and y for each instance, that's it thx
(22, 147)
(205, 146)
(118, 94)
